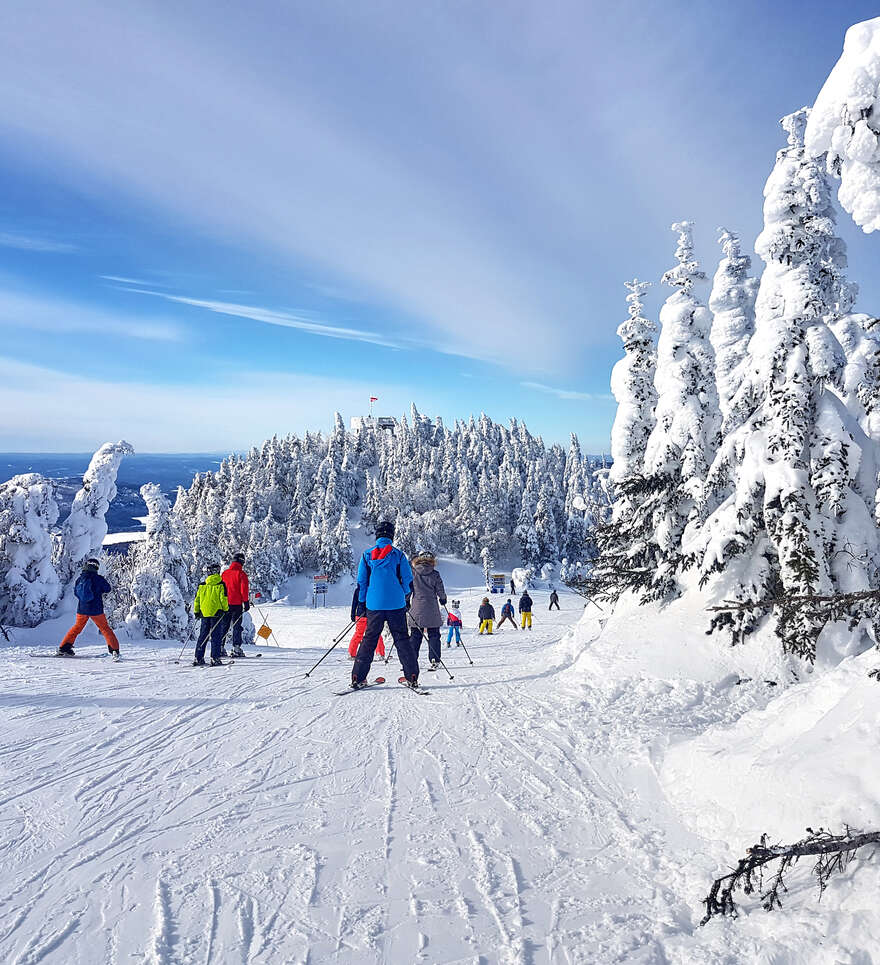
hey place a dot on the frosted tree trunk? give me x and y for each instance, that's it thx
(86, 527)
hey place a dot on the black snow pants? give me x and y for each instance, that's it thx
(376, 620)
(416, 636)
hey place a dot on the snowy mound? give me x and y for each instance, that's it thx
(808, 759)
(845, 122)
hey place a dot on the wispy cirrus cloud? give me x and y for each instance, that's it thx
(304, 321)
(11, 239)
(123, 280)
(569, 394)
(60, 315)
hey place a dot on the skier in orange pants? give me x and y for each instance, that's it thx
(360, 628)
(89, 591)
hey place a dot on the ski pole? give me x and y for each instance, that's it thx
(186, 642)
(443, 665)
(231, 628)
(465, 648)
(390, 652)
(339, 636)
(335, 644)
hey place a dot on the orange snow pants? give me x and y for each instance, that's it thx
(100, 622)
(360, 628)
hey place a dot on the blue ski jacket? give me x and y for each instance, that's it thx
(89, 591)
(384, 577)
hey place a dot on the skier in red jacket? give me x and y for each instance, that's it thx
(360, 627)
(238, 594)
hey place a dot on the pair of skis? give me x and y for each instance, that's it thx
(381, 680)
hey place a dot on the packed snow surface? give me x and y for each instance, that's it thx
(157, 813)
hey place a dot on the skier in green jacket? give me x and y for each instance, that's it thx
(210, 605)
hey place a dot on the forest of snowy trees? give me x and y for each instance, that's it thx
(479, 490)
(747, 442)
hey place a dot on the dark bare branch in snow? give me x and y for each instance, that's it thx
(834, 852)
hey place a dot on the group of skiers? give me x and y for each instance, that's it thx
(408, 598)
(390, 590)
(487, 614)
(221, 601)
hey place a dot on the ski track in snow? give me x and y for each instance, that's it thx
(153, 813)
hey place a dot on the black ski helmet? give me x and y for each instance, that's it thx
(238, 558)
(91, 565)
(385, 529)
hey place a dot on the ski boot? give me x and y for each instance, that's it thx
(434, 665)
(358, 684)
(199, 663)
(65, 650)
(115, 655)
(217, 662)
(412, 682)
(237, 652)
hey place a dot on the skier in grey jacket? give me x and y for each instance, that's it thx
(424, 617)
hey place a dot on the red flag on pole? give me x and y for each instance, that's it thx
(374, 398)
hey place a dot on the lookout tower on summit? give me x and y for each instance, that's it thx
(373, 422)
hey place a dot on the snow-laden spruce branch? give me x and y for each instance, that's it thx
(834, 852)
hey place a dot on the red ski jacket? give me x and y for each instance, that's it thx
(237, 586)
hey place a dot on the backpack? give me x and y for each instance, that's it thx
(83, 590)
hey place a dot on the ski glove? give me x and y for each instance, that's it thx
(361, 610)
(198, 614)
(409, 600)
(247, 606)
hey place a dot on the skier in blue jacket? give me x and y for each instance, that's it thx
(384, 588)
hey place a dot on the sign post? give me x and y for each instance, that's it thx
(319, 588)
(497, 582)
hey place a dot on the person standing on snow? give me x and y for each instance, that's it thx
(384, 587)
(453, 621)
(512, 587)
(487, 616)
(360, 627)
(89, 591)
(424, 612)
(507, 614)
(554, 599)
(210, 605)
(525, 608)
(238, 597)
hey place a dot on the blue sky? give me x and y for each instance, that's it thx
(223, 221)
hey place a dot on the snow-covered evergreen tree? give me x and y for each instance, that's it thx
(160, 588)
(85, 529)
(29, 584)
(799, 520)
(685, 435)
(844, 125)
(732, 303)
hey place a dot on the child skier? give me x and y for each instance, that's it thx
(554, 599)
(89, 592)
(210, 605)
(424, 613)
(360, 628)
(384, 587)
(453, 621)
(507, 614)
(238, 597)
(487, 616)
(525, 608)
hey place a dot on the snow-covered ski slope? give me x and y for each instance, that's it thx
(155, 813)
